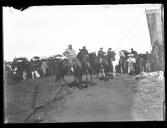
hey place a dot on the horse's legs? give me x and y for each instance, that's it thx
(121, 68)
(79, 79)
(80, 83)
(97, 75)
(32, 74)
(113, 71)
(59, 82)
(103, 72)
(86, 78)
(141, 69)
(91, 78)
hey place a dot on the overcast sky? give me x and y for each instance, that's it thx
(47, 30)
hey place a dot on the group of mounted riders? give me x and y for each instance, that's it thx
(71, 55)
(85, 63)
(127, 61)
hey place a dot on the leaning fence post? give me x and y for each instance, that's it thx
(34, 97)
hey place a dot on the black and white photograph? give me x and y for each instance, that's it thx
(84, 63)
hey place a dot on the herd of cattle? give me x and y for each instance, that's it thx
(21, 68)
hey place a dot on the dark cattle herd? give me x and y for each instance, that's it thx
(85, 64)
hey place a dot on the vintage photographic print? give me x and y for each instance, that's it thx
(84, 63)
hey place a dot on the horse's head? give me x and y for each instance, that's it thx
(63, 64)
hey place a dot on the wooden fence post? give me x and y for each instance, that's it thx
(34, 97)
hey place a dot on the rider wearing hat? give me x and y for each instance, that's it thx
(101, 53)
(70, 54)
(133, 52)
(84, 50)
(110, 53)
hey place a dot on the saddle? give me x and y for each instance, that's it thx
(73, 62)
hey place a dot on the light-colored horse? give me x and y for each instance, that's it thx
(115, 62)
(44, 67)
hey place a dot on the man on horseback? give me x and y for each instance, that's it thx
(84, 51)
(110, 53)
(101, 54)
(133, 52)
(71, 56)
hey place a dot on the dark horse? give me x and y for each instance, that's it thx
(95, 64)
(107, 67)
(123, 64)
(123, 61)
(62, 70)
(86, 66)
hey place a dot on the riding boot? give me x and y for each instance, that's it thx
(69, 70)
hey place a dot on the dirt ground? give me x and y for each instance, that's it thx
(118, 99)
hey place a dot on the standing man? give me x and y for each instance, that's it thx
(131, 60)
(44, 67)
(71, 55)
(148, 66)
